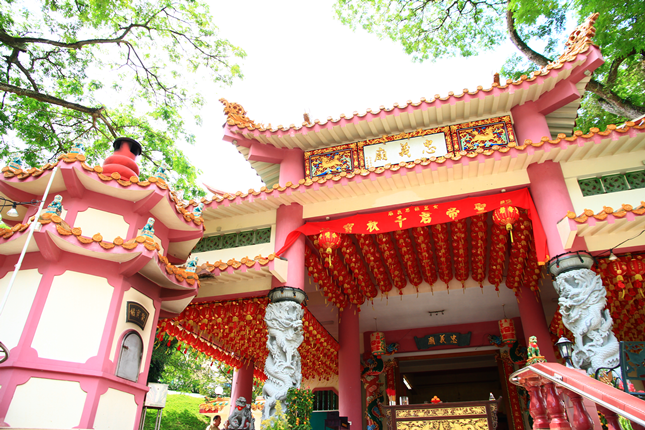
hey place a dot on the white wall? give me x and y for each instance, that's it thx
(133, 295)
(117, 410)
(16, 310)
(94, 221)
(73, 320)
(46, 404)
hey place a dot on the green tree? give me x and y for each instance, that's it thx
(67, 61)
(441, 28)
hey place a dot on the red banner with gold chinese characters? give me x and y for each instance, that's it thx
(425, 215)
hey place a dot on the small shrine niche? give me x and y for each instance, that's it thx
(130, 357)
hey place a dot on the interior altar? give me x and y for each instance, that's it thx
(443, 416)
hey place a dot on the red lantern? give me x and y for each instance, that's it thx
(506, 216)
(507, 331)
(329, 241)
(636, 269)
(618, 268)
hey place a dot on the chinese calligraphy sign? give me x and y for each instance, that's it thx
(442, 339)
(137, 314)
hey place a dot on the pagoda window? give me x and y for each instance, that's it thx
(130, 357)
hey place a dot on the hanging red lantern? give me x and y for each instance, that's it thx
(507, 331)
(329, 241)
(377, 343)
(618, 269)
(506, 216)
(636, 270)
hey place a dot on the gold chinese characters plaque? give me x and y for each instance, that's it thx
(455, 424)
(441, 412)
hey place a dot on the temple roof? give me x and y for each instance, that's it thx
(497, 99)
(452, 167)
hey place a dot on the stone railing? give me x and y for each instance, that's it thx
(564, 399)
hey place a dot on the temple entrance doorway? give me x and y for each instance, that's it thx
(459, 377)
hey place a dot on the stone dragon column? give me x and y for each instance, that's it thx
(284, 325)
(582, 305)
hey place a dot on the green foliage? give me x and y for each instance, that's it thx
(188, 371)
(278, 421)
(436, 29)
(181, 413)
(66, 62)
(300, 405)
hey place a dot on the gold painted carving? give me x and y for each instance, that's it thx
(441, 412)
(457, 424)
(236, 115)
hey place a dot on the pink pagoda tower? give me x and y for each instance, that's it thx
(97, 274)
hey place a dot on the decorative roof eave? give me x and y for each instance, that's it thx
(425, 113)
(245, 270)
(136, 252)
(33, 181)
(595, 144)
(601, 230)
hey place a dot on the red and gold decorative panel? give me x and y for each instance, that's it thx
(334, 160)
(485, 134)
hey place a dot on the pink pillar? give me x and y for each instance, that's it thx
(534, 322)
(349, 368)
(552, 202)
(242, 384)
(289, 218)
(529, 123)
(292, 167)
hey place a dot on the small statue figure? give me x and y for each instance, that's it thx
(148, 229)
(534, 352)
(191, 266)
(241, 417)
(162, 171)
(56, 206)
(78, 148)
(197, 212)
(15, 163)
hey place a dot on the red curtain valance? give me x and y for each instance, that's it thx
(425, 215)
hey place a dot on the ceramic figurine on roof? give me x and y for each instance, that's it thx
(197, 212)
(15, 163)
(78, 148)
(56, 206)
(148, 229)
(162, 171)
(191, 266)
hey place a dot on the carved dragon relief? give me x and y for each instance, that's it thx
(582, 305)
(283, 366)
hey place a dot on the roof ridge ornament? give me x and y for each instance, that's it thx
(236, 115)
(579, 40)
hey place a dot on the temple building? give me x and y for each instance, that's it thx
(414, 245)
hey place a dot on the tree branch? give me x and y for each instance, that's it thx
(615, 65)
(96, 112)
(533, 56)
(613, 103)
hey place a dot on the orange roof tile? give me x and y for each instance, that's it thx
(579, 42)
(606, 212)
(411, 165)
(233, 263)
(70, 158)
(63, 229)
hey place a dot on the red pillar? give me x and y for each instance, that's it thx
(552, 202)
(242, 384)
(289, 218)
(534, 322)
(349, 368)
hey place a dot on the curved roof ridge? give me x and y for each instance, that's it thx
(578, 42)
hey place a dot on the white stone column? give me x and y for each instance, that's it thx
(282, 367)
(582, 305)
